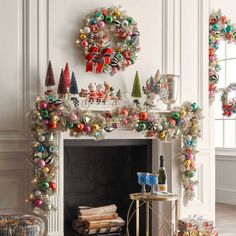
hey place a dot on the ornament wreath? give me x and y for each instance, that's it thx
(53, 113)
(109, 40)
(228, 105)
(219, 28)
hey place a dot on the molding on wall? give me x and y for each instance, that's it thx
(225, 195)
(225, 158)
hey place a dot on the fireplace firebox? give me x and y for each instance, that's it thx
(103, 173)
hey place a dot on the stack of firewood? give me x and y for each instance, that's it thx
(98, 220)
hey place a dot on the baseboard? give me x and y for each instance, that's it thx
(227, 196)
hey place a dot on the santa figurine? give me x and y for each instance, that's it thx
(92, 92)
(100, 92)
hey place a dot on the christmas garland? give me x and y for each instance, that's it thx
(103, 28)
(228, 105)
(53, 114)
(220, 28)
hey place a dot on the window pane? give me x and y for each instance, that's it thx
(221, 73)
(219, 133)
(230, 71)
(218, 110)
(229, 134)
(230, 50)
(221, 51)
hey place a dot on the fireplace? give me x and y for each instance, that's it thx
(103, 173)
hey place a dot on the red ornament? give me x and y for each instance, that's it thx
(126, 55)
(52, 125)
(94, 28)
(223, 19)
(211, 86)
(53, 186)
(228, 36)
(213, 21)
(124, 112)
(80, 127)
(143, 115)
(211, 52)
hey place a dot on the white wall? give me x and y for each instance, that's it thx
(174, 38)
(226, 160)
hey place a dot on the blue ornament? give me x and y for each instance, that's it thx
(93, 21)
(41, 148)
(194, 106)
(216, 46)
(223, 30)
(189, 143)
(229, 28)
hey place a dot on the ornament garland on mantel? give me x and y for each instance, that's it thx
(220, 28)
(53, 114)
(109, 39)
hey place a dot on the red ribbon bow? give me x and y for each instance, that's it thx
(98, 59)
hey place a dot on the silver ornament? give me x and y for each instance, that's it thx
(37, 193)
(41, 138)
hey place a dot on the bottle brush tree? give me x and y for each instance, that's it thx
(49, 80)
(136, 91)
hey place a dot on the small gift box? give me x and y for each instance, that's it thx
(195, 223)
(212, 232)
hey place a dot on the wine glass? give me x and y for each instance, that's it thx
(143, 180)
(152, 182)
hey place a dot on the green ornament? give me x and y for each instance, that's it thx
(165, 124)
(142, 126)
(132, 61)
(189, 174)
(51, 99)
(218, 68)
(216, 27)
(51, 149)
(175, 115)
(44, 114)
(229, 28)
(49, 137)
(130, 20)
(44, 185)
(98, 14)
(69, 125)
(119, 56)
(109, 19)
(194, 106)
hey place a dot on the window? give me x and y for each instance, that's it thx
(225, 128)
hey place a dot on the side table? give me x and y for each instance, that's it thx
(147, 199)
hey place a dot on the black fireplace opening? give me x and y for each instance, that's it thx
(103, 173)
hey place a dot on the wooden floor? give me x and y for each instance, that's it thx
(226, 219)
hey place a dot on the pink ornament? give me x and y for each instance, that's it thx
(73, 116)
(192, 188)
(59, 113)
(84, 43)
(101, 24)
(128, 62)
(45, 122)
(114, 70)
(192, 165)
(211, 58)
(116, 125)
(190, 156)
(43, 105)
(172, 122)
(211, 93)
(125, 121)
(87, 129)
(41, 163)
(38, 202)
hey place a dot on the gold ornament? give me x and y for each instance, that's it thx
(183, 113)
(117, 13)
(162, 135)
(82, 36)
(46, 169)
(55, 118)
(187, 164)
(95, 127)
